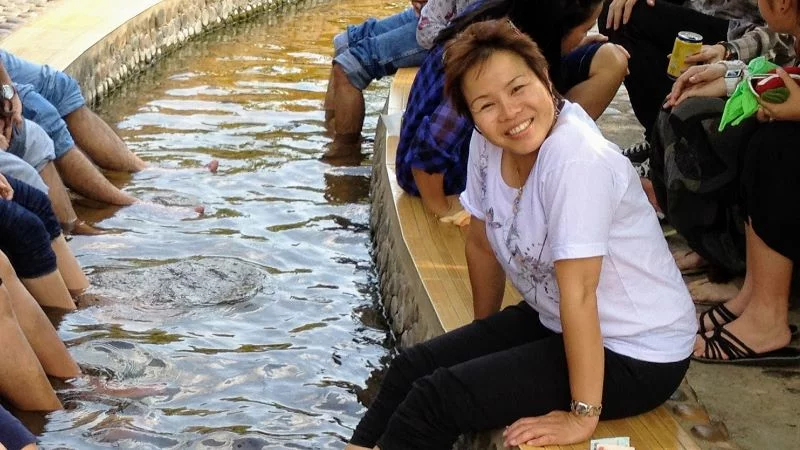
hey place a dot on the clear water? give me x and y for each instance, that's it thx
(260, 317)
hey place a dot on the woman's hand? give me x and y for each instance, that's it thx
(708, 54)
(592, 38)
(698, 81)
(788, 110)
(6, 191)
(619, 12)
(3, 142)
(555, 428)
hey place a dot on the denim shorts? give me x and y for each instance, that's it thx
(27, 225)
(38, 109)
(47, 95)
(13, 434)
(378, 47)
(58, 88)
(16, 167)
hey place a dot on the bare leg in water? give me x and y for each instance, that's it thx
(330, 105)
(68, 267)
(80, 175)
(348, 110)
(42, 337)
(55, 289)
(62, 205)
(100, 143)
(22, 379)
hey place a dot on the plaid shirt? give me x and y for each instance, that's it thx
(433, 136)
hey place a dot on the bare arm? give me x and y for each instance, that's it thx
(486, 275)
(577, 281)
(431, 190)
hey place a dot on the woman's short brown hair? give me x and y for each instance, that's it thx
(476, 44)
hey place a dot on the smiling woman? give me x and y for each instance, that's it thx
(606, 325)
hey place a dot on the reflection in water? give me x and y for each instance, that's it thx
(258, 318)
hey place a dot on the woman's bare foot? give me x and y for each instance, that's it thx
(705, 292)
(689, 261)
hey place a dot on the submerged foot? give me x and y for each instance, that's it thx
(344, 146)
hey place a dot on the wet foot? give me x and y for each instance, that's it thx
(213, 166)
(343, 147)
(100, 386)
(705, 292)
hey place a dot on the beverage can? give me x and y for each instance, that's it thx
(687, 43)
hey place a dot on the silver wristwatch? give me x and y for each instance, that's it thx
(584, 409)
(8, 91)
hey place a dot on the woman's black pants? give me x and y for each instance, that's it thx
(490, 373)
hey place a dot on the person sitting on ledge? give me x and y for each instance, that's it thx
(29, 158)
(53, 99)
(31, 237)
(432, 149)
(362, 53)
(752, 327)
(606, 326)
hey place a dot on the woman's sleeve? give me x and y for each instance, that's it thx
(579, 200)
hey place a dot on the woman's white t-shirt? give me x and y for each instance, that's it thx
(584, 199)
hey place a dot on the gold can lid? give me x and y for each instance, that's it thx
(690, 36)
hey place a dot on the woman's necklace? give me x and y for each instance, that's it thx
(520, 187)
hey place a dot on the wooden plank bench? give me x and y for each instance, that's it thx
(425, 284)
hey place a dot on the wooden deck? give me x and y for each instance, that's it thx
(435, 254)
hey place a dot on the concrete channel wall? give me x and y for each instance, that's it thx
(114, 55)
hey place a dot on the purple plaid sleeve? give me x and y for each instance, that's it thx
(433, 137)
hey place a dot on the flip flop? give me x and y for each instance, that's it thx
(722, 343)
(720, 316)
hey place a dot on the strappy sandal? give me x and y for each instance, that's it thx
(723, 347)
(720, 316)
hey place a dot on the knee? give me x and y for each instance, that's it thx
(6, 310)
(612, 61)
(6, 269)
(340, 76)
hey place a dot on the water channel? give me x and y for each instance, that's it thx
(258, 320)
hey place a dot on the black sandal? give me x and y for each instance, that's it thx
(725, 317)
(724, 344)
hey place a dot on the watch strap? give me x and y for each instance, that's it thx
(583, 409)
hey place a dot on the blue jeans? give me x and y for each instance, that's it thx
(378, 47)
(47, 95)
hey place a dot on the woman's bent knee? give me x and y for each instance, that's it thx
(610, 59)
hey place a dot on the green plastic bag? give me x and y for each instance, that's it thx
(743, 103)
